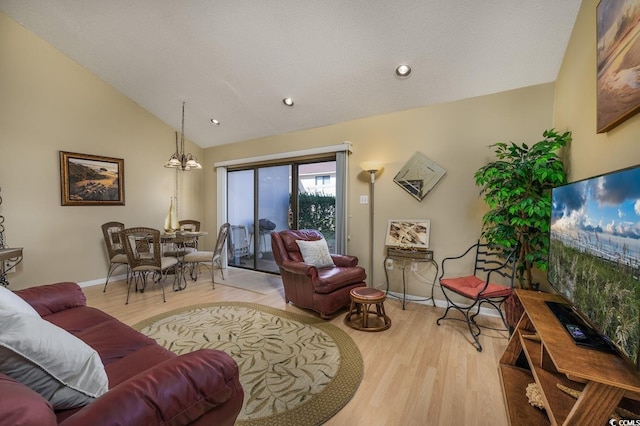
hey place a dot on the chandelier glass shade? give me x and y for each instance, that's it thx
(180, 160)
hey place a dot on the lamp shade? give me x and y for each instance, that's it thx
(193, 164)
(173, 162)
(371, 166)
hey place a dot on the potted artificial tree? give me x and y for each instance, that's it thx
(517, 188)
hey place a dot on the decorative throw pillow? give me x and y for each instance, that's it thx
(316, 253)
(62, 368)
(11, 302)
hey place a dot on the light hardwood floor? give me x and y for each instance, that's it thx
(416, 373)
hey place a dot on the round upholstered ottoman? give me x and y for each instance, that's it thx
(360, 315)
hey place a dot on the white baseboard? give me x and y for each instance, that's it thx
(490, 312)
(102, 280)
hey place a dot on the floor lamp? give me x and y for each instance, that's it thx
(371, 167)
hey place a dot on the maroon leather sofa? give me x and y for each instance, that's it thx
(324, 290)
(148, 385)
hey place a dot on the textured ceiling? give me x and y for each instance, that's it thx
(236, 60)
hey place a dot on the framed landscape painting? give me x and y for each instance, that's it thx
(91, 180)
(408, 233)
(618, 62)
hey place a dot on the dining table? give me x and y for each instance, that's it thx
(181, 241)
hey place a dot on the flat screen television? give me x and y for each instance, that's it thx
(594, 260)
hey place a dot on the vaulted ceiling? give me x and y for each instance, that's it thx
(236, 60)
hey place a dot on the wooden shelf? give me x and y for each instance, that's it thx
(558, 403)
(514, 382)
(603, 377)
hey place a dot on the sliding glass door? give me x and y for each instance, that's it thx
(240, 213)
(260, 201)
(316, 203)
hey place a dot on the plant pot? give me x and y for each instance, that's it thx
(513, 311)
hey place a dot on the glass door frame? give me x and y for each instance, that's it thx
(341, 153)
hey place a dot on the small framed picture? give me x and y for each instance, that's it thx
(91, 180)
(408, 233)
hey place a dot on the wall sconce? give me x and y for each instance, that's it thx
(372, 167)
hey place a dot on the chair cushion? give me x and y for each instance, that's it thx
(168, 262)
(198, 256)
(470, 286)
(332, 279)
(367, 295)
(119, 258)
(316, 253)
(62, 368)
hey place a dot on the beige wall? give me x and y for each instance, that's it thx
(455, 135)
(575, 108)
(50, 103)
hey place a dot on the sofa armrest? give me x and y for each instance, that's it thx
(21, 406)
(51, 298)
(176, 391)
(300, 268)
(344, 260)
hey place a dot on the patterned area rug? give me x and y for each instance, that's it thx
(294, 369)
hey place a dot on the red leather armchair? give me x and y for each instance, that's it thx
(324, 290)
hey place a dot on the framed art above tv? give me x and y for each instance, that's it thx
(618, 55)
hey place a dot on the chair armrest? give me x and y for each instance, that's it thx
(51, 298)
(446, 259)
(344, 260)
(300, 268)
(177, 391)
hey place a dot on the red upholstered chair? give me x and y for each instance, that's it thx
(491, 282)
(324, 290)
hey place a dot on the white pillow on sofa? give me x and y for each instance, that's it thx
(316, 253)
(11, 302)
(51, 361)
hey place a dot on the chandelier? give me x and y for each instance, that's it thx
(180, 160)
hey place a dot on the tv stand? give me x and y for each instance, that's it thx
(603, 377)
(581, 332)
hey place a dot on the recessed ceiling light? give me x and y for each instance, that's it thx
(288, 102)
(215, 122)
(403, 71)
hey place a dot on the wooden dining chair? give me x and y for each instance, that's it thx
(142, 246)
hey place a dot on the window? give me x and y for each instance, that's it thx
(323, 180)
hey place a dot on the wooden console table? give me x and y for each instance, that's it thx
(12, 254)
(604, 378)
